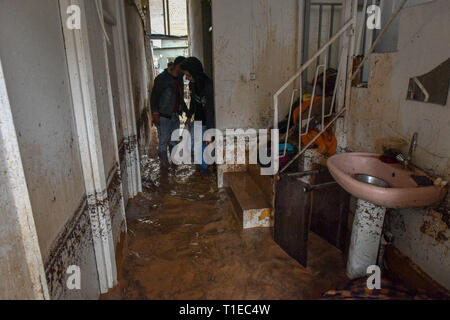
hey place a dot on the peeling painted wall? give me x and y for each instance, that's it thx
(252, 40)
(381, 115)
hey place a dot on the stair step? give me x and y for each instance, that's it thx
(265, 183)
(252, 204)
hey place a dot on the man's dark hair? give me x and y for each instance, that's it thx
(193, 66)
(179, 60)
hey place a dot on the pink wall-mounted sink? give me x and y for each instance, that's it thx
(403, 190)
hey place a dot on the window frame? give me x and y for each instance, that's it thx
(167, 34)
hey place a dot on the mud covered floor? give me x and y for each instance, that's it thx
(184, 242)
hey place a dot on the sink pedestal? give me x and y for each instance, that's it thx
(363, 175)
(365, 239)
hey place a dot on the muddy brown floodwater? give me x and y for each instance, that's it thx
(184, 242)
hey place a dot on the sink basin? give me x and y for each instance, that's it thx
(400, 191)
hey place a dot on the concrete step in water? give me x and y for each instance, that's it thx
(252, 205)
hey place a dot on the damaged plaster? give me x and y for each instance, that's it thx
(380, 116)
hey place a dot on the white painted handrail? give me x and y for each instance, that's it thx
(312, 97)
(289, 121)
(303, 68)
(299, 73)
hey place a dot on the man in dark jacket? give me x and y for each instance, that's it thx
(202, 100)
(167, 104)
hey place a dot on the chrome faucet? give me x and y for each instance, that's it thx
(412, 147)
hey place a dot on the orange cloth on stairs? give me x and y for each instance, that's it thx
(326, 143)
(305, 106)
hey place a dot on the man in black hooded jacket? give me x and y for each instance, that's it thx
(202, 98)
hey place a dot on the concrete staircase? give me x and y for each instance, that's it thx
(252, 197)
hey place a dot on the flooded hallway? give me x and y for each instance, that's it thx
(224, 150)
(185, 241)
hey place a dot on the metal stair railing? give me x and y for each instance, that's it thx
(300, 73)
(352, 76)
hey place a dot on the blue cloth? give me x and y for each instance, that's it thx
(289, 147)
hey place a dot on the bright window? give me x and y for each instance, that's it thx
(168, 18)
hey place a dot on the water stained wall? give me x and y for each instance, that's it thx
(141, 64)
(255, 53)
(381, 115)
(34, 53)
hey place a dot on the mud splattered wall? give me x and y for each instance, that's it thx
(32, 51)
(101, 87)
(381, 114)
(34, 59)
(36, 66)
(21, 266)
(255, 52)
(140, 63)
(389, 41)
